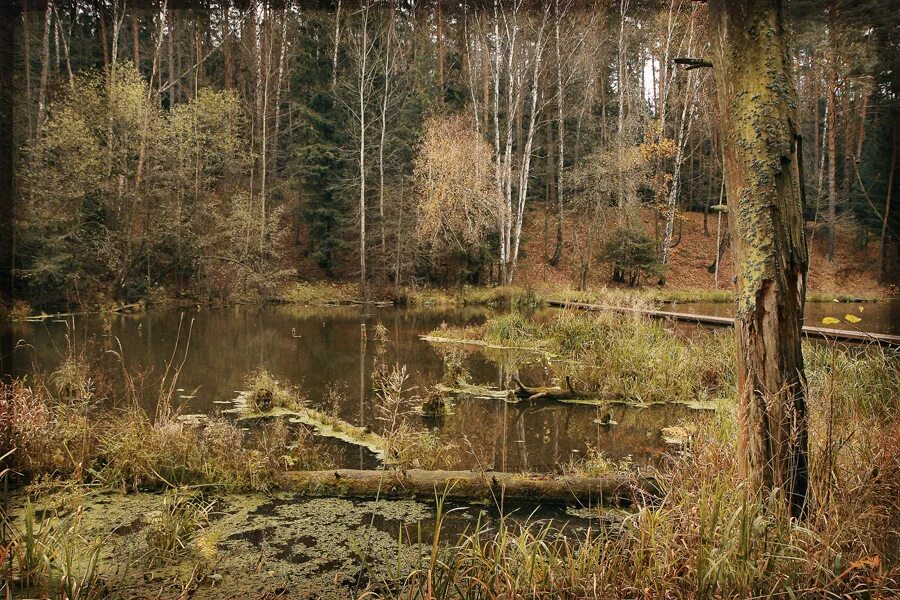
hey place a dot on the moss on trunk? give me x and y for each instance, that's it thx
(763, 178)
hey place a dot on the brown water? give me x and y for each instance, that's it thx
(323, 353)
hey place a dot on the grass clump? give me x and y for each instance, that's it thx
(127, 449)
(319, 293)
(264, 393)
(178, 527)
(49, 557)
(643, 297)
(505, 296)
(512, 329)
(500, 297)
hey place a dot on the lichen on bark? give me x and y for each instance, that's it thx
(757, 104)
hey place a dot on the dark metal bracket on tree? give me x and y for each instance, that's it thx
(692, 63)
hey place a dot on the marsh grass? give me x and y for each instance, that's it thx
(514, 329)
(264, 392)
(127, 449)
(49, 556)
(500, 297)
(175, 530)
(640, 297)
(709, 537)
(319, 293)
(619, 357)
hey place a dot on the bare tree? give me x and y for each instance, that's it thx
(688, 109)
(357, 95)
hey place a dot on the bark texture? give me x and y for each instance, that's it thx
(757, 103)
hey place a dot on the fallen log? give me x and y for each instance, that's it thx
(809, 331)
(546, 393)
(323, 425)
(468, 486)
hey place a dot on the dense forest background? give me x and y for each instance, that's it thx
(219, 149)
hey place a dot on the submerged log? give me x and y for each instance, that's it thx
(547, 393)
(468, 486)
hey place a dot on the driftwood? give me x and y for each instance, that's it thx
(546, 393)
(469, 486)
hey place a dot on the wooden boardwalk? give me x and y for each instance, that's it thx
(824, 333)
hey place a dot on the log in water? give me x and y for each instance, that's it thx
(472, 486)
(825, 333)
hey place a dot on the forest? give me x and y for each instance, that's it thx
(220, 151)
(449, 299)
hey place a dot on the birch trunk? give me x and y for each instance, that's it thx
(362, 147)
(525, 171)
(832, 161)
(45, 65)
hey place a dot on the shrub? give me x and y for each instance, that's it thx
(632, 254)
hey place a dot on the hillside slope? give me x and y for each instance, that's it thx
(854, 269)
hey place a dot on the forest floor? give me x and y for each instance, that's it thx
(853, 271)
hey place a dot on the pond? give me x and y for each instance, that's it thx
(328, 354)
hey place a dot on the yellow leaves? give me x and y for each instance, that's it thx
(850, 318)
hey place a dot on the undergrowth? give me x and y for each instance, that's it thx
(708, 536)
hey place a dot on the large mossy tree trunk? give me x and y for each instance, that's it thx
(763, 177)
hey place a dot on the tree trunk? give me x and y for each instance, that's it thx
(135, 41)
(10, 15)
(172, 75)
(337, 45)
(561, 132)
(882, 257)
(763, 170)
(441, 52)
(362, 150)
(26, 44)
(832, 162)
(45, 66)
(227, 47)
(101, 15)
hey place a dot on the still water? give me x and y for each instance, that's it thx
(328, 354)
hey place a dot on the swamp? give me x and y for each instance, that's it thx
(449, 299)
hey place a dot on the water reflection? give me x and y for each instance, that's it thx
(329, 355)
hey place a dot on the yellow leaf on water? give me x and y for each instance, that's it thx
(861, 308)
(852, 318)
(830, 321)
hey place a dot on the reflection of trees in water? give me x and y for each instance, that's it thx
(542, 435)
(318, 349)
